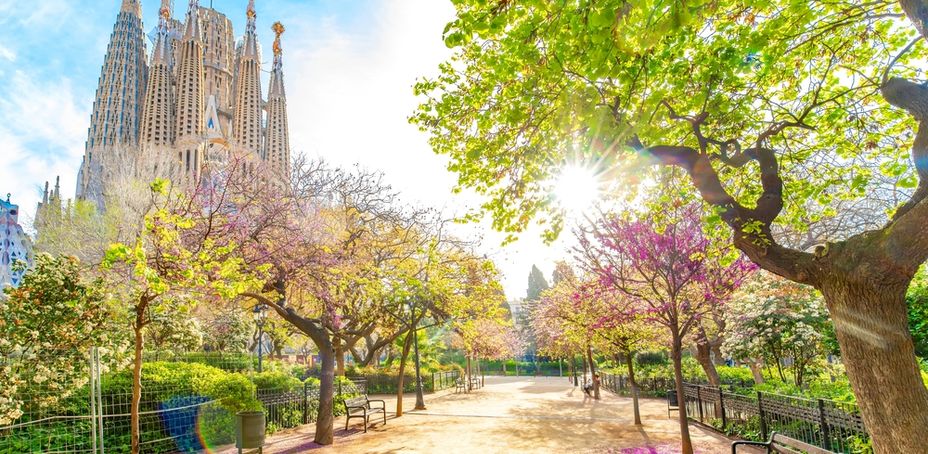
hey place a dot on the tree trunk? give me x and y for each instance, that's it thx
(704, 356)
(325, 424)
(589, 355)
(677, 354)
(137, 380)
(717, 357)
(401, 379)
(420, 397)
(339, 357)
(570, 371)
(871, 324)
(585, 368)
(470, 374)
(633, 385)
(755, 366)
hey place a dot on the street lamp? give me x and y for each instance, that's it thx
(260, 315)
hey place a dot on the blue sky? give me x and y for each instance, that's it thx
(349, 67)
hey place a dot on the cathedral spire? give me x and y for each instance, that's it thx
(246, 124)
(277, 76)
(117, 108)
(158, 113)
(277, 139)
(192, 30)
(191, 94)
(251, 38)
(163, 48)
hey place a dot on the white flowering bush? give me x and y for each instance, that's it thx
(778, 322)
(47, 326)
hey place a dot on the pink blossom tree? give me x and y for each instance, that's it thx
(671, 274)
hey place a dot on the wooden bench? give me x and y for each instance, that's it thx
(460, 386)
(782, 444)
(672, 403)
(360, 407)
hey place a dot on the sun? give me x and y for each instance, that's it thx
(577, 188)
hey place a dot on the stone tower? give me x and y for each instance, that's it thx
(277, 142)
(191, 90)
(246, 123)
(158, 121)
(117, 107)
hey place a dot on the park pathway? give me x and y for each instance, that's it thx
(512, 415)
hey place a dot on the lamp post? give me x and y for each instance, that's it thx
(260, 315)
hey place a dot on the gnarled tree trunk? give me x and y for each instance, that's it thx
(872, 329)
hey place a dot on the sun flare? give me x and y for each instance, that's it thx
(577, 188)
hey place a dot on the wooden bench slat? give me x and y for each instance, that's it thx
(799, 444)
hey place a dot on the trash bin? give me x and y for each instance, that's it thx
(249, 430)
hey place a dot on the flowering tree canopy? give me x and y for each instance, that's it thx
(47, 326)
(774, 320)
(670, 274)
(673, 274)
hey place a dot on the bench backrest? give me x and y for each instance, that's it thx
(356, 402)
(788, 442)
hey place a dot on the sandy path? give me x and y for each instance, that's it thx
(510, 415)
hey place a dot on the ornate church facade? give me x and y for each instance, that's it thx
(195, 100)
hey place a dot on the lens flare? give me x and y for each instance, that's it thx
(577, 188)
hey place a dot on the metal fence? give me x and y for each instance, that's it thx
(831, 425)
(285, 408)
(620, 384)
(443, 380)
(386, 383)
(90, 412)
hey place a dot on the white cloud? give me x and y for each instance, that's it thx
(7, 54)
(42, 132)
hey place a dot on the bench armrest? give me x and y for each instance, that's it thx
(734, 445)
(382, 403)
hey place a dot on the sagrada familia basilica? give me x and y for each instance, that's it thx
(195, 101)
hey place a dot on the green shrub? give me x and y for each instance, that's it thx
(652, 358)
(276, 381)
(735, 374)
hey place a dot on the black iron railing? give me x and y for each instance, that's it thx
(831, 425)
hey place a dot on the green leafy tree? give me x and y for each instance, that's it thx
(169, 267)
(228, 331)
(174, 331)
(537, 284)
(773, 109)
